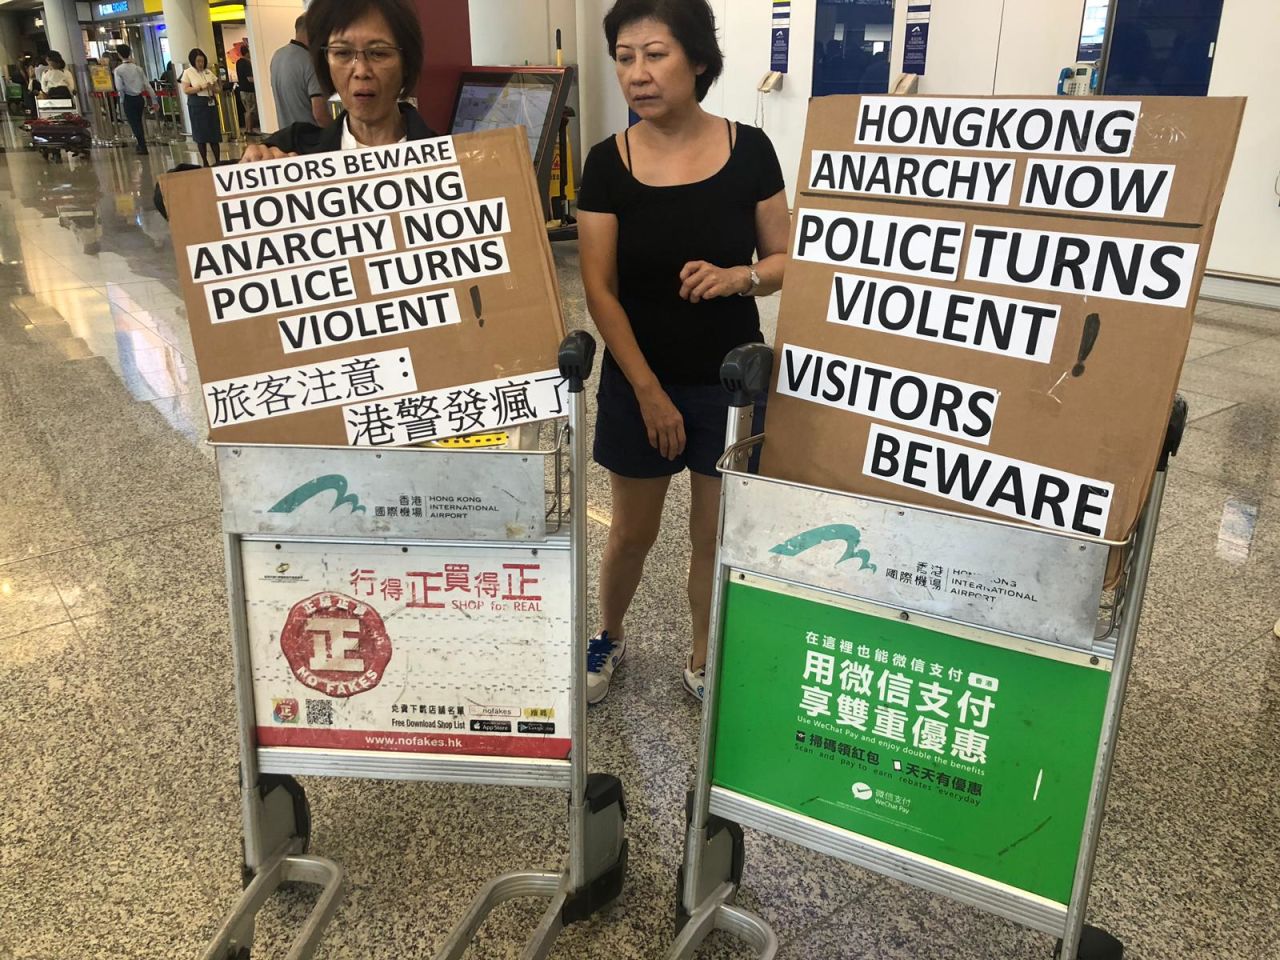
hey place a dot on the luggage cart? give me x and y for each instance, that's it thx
(1074, 630)
(58, 127)
(287, 538)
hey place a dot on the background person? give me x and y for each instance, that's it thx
(131, 84)
(57, 82)
(248, 92)
(30, 87)
(294, 84)
(201, 85)
(671, 213)
(372, 56)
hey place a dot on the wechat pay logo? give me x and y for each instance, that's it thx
(862, 792)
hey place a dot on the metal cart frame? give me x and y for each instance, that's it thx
(713, 863)
(274, 808)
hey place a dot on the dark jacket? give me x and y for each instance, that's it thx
(308, 138)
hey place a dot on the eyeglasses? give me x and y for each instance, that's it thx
(377, 56)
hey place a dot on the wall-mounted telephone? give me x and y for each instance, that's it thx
(772, 82)
(1080, 80)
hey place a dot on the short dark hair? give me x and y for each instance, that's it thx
(327, 17)
(197, 52)
(56, 61)
(300, 23)
(244, 49)
(124, 50)
(691, 22)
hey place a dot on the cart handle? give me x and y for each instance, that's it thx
(576, 358)
(1173, 437)
(746, 373)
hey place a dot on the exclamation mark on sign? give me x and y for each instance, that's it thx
(478, 307)
(1092, 324)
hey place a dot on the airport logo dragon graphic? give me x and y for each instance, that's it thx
(850, 536)
(334, 482)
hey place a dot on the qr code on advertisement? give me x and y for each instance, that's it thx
(320, 713)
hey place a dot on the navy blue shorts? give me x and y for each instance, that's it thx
(622, 442)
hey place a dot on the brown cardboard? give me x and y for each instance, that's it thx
(1109, 422)
(517, 331)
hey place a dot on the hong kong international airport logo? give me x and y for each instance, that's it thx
(850, 536)
(334, 483)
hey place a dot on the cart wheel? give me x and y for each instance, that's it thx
(301, 805)
(1095, 944)
(269, 783)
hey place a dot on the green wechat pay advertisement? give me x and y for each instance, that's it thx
(970, 754)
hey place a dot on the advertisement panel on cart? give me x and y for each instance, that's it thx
(426, 650)
(975, 755)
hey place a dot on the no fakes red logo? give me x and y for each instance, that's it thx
(336, 645)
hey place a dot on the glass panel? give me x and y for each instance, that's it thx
(1162, 47)
(852, 45)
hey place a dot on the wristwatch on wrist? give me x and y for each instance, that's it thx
(755, 283)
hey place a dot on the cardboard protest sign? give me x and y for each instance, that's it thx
(989, 301)
(372, 297)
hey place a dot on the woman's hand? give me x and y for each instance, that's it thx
(662, 420)
(700, 280)
(256, 152)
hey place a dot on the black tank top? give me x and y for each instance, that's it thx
(660, 229)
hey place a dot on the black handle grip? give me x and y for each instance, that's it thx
(746, 373)
(577, 356)
(1173, 437)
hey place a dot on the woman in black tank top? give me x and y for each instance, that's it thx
(682, 222)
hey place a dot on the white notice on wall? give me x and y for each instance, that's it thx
(1011, 488)
(904, 245)
(1093, 128)
(1118, 268)
(455, 411)
(950, 407)
(923, 176)
(278, 393)
(964, 318)
(1092, 186)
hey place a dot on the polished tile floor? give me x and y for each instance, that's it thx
(119, 819)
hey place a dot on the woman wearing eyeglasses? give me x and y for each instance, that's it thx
(370, 53)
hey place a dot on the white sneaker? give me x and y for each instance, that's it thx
(603, 656)
(695, 681)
